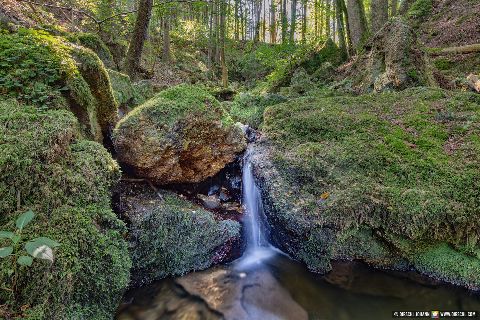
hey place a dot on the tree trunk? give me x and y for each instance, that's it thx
(222, 43)
(273, 23)
(357, 22)
(166, 39)
(327, 19)
(379, 14)
(341, 30)
(284, 21)
(134, 54)
(293, 22)
(304, 21)
(405, 6)
(393, 7)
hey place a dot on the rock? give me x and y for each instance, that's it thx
(253, 295)
(181, 135)
(331, 190)
(224, 195)
(66, 180)
(171, 236)
(209, 202)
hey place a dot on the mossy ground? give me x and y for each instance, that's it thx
(45, 166)
(404, 164)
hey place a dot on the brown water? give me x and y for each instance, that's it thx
(279, 288)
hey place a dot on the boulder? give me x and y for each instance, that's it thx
(375, 178)
(169, 235)
(181, 135)
(49, 72)
(46, 166)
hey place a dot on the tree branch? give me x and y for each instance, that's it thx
(470, 48)
(62, 8)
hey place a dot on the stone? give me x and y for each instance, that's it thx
(182, 135)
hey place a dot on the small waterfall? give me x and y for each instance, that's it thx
(252, 203)
(258, 247)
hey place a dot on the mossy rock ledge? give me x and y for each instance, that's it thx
(169, 235)
(49, 72)
(46, 166)
(181, 135)
(391, 179)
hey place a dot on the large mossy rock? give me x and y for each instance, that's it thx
(181, 135)
(390, 178)
(47, 167)
(169, 235)
(127, 93)
(49, 72)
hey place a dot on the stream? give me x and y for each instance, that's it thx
(266, 284)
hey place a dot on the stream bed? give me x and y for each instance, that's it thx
(266, 284)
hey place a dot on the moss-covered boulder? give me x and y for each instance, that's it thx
(170, 235)
(181, 135)
(49, 72)
(127, 93)
(391, 178)
(46, 166)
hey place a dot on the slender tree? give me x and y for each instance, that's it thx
(378, 14)
(293, 20)
(357, 21)
(139, 35)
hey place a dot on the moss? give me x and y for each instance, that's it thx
(40, 70)
(93, 42)
(444, 262)
(172, 236)
(176, 103)
(420, 9)
(129, 94)
(248, 108)
(47, 167)
(404, 163)
(310, 58)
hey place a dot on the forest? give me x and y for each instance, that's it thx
(239, 159)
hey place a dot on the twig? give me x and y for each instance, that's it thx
(148, 182)
(62, 8)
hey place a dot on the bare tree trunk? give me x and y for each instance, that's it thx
(166, 39)
(341, 30)
(304, 21)
(222, 43)
(393, 7)
(379, 14)
(273, 23)
(357, 21)
(293, 22)
(134, 54)
(284, 21)
(327, 19)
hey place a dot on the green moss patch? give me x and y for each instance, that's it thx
(404, 163)
(45, 166)
(48, 72)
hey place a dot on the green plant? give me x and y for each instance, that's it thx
(22, 252)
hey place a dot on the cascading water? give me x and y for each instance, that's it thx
(257, 246)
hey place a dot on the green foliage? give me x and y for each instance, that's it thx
(394, 161)
(45, 166)
(420, 9)
(248, 108)
(29, 69)
(308, 57)
(443, 63)
(38, 248)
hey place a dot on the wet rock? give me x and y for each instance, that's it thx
(253, 295)
(182, 135)
(169, 235)
(209, 202)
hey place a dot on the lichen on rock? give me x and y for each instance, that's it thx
(181, 135)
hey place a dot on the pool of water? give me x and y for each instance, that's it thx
(275, 287)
